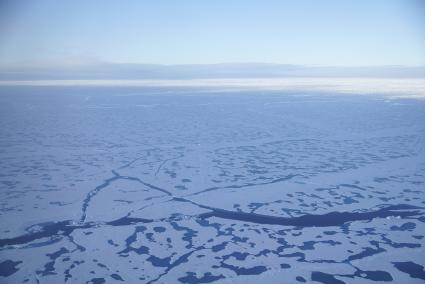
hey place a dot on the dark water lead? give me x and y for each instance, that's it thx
(65, 228)
(310, 220)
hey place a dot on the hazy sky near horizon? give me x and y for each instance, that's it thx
(307, 32)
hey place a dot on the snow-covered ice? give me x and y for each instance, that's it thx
(199, 184)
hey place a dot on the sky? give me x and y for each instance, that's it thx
(304, 32)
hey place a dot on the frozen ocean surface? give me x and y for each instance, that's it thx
(198, 185)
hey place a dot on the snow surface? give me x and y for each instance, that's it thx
(167, 184)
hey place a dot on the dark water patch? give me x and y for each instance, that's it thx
(49, 268)
(140, 250)
(59, 203)
(255, 205)
(97, 280)
(123, 201)
(325, 278)
(219, 247)
(413, 269)
(301, 279)
(159, 262)
(191, 278)
(349, 200)
(365, 253)
(188, 235)
(131, 239)
(150, 237)
(8, 267)
(409, 226)
(102, 265)
(264, 252)
(237, 255)
(325, 220)
(309, 245)
(256, 270)
(117, 277)
(180, 187)
(58, 253)
(159, 229)
(299, 255)
(380, 180)
(74, 264)
(374, 275)
(111, 242)
(377, 275)
(182, 259)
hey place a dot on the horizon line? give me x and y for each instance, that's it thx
(101, 62)
(388, 87)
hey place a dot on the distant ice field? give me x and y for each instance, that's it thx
(237, 182)
(393, 87)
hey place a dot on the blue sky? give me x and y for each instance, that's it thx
(308, 32)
